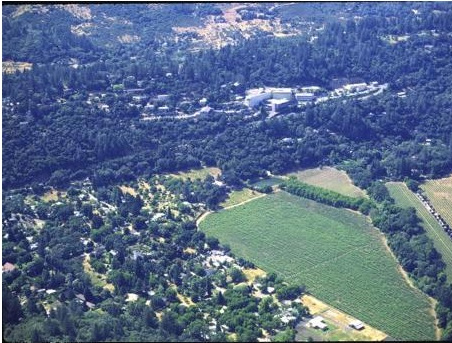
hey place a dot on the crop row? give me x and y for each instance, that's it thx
(346, 287)
(440, 193)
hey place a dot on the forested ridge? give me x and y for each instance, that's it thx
(77, 117)
(385, 134)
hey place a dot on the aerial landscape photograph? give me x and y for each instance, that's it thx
(226, 171)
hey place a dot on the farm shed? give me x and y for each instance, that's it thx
(317, 323)
(357, 324)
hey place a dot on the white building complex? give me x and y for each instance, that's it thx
(281, 93)
(279, 96)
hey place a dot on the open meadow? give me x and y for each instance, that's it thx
(336, 253)
(330, 178)
(439, 193)
(406, 198)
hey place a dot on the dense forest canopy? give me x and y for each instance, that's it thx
(384, 135)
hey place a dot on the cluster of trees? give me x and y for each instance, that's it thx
(152, 263)
(33, 40)
(198, 191)
(325, 196)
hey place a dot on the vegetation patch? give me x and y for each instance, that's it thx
(52, 195)
(332, 179)
(252, 274)
(96, 278)
(186, 301)
(406, 198)
(337, 254)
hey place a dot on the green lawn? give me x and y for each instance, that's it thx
(405, 198)
(336, 253)
(237, 197)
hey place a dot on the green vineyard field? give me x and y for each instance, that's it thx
(336, 253)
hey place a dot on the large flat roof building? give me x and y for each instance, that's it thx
(281, 93)
(256, 96)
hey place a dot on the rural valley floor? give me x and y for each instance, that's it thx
(337, 254)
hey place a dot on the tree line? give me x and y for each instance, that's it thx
(326, 196)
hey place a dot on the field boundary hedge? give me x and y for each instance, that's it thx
(325, 196)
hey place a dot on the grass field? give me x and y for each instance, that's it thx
(439, 193)
(336, 253)
(405, 198)
(52, 195)
(332, 179)
(202, 173)
(272, 181)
